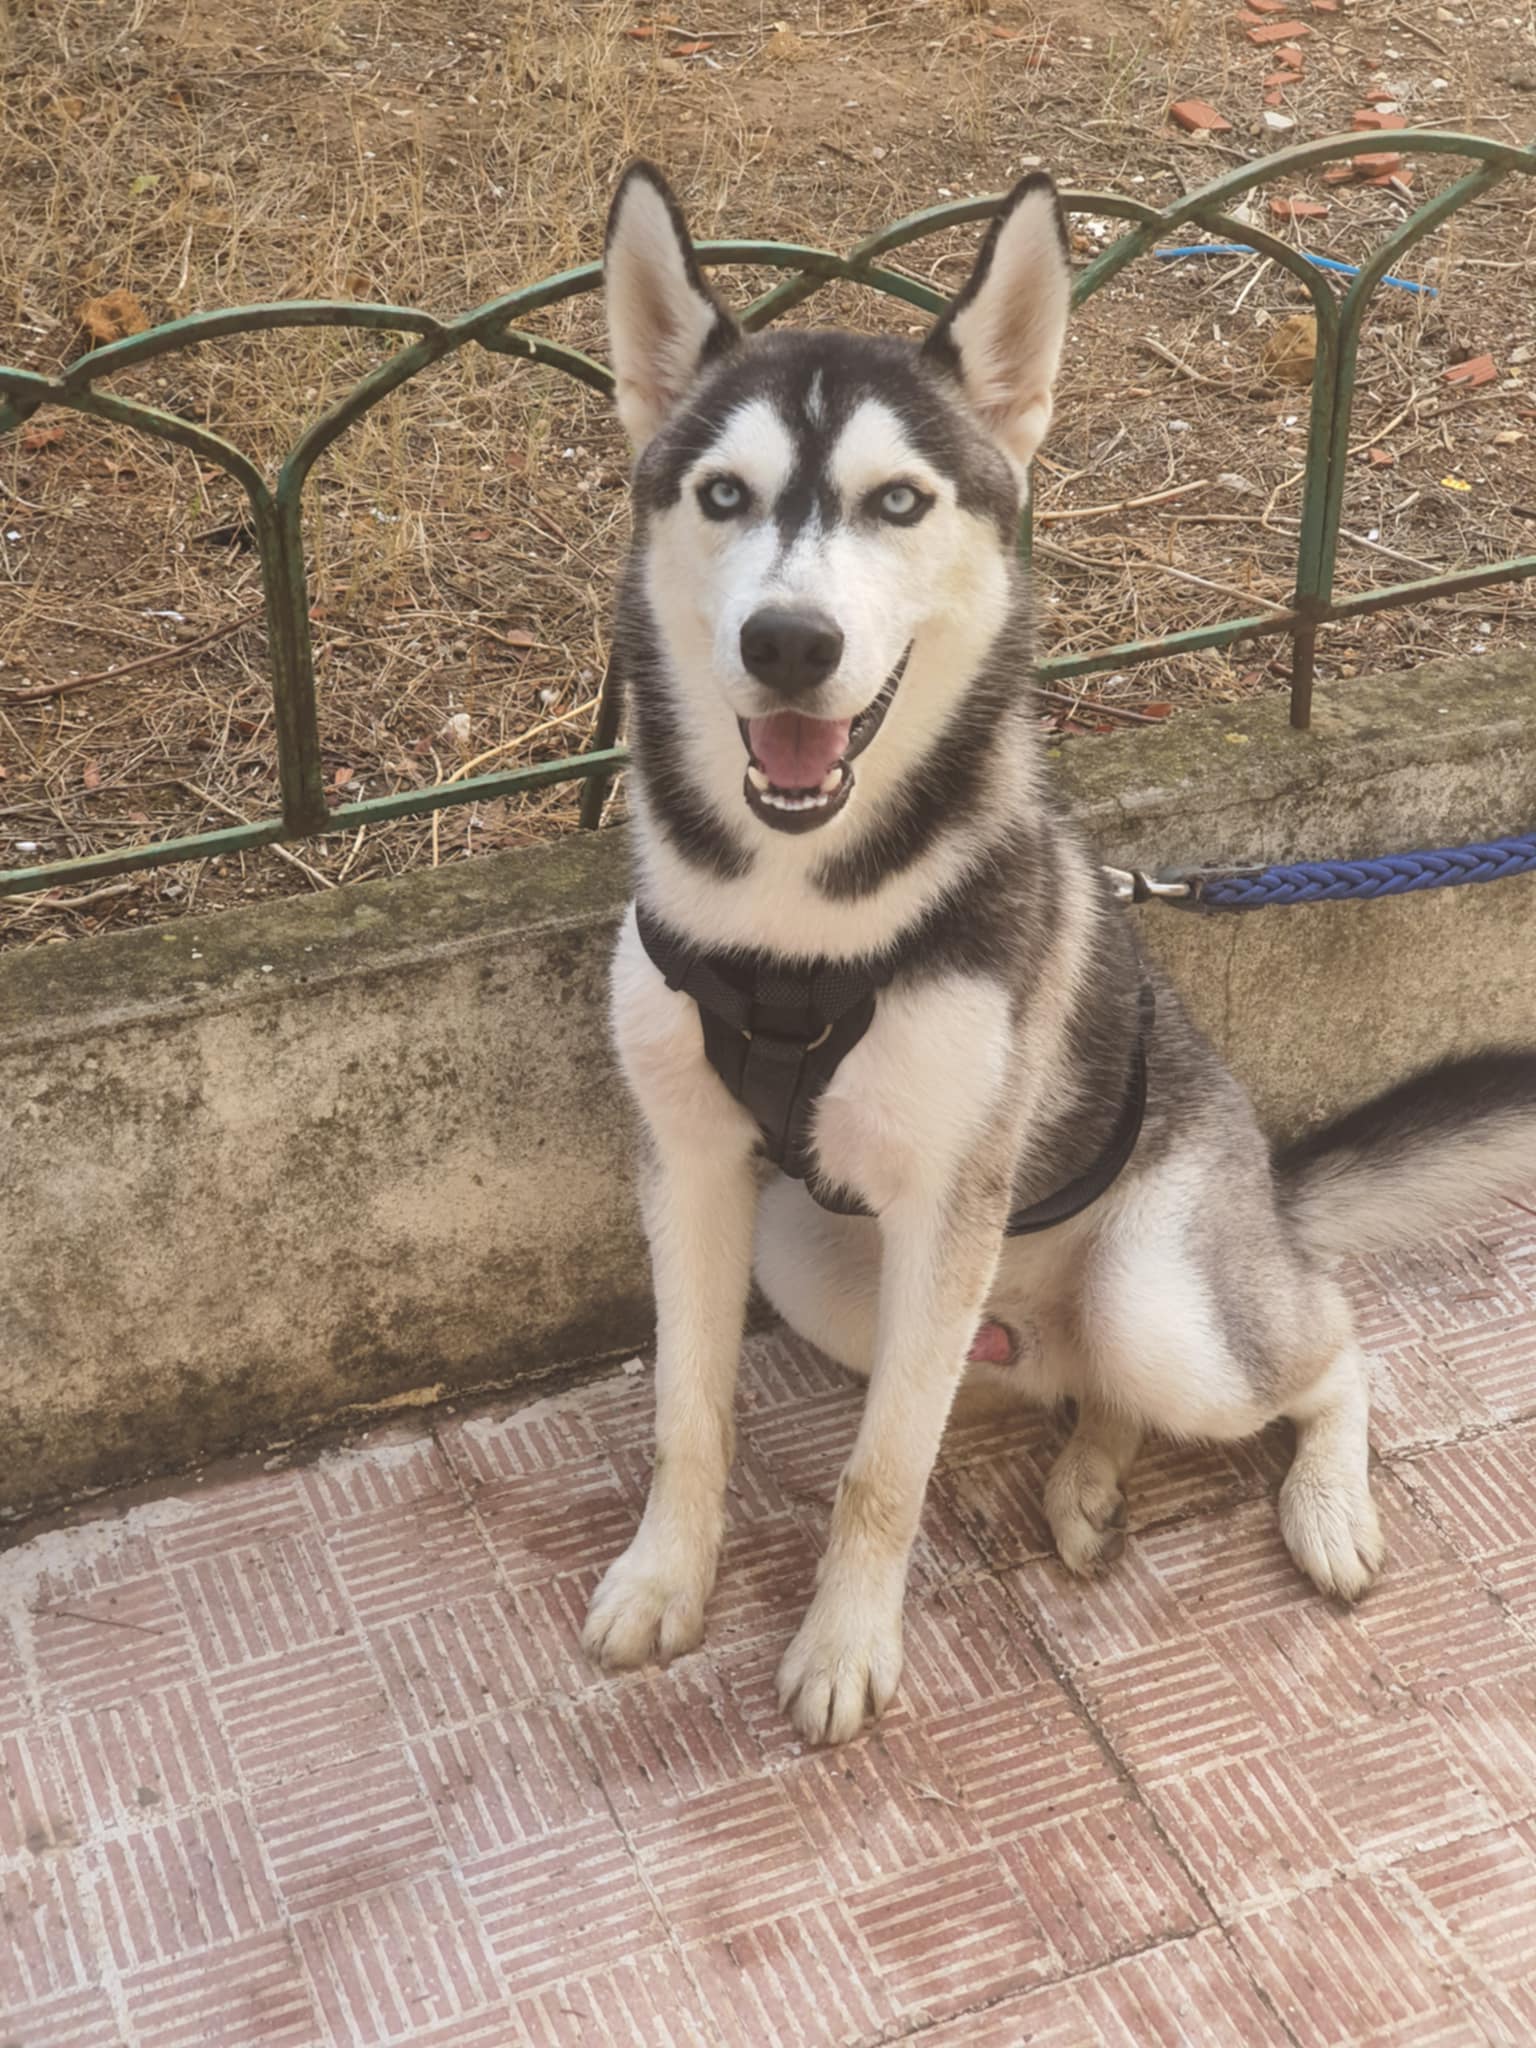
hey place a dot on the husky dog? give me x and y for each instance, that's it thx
(868, 951)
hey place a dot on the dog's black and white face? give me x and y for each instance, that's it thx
(826, 519)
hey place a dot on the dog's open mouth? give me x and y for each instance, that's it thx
(799, 769)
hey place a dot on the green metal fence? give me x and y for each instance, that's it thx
(276, 511)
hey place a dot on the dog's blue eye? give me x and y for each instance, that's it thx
(723, 497)
(902, 504)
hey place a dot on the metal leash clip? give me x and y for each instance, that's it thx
(1130, 885)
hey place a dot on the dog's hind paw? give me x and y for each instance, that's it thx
(646, 1609)
(1332, 1533)
(1086, 1510)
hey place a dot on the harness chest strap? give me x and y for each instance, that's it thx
(776, 1036)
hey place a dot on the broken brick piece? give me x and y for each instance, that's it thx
(1199, 114)
(1268, 6)
(1473, 374)
(1278, 32)
(1274, 97)
(1325, 6)
(1292, 56)
(1380, 458)
(1367, 117)
(1385, 163)
(1297, 209)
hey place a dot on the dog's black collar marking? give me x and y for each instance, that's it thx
(776, 1035)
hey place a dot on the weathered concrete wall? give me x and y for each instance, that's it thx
(258, 1169)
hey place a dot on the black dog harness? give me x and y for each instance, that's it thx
(776, 1035)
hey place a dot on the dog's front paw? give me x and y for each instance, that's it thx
(1332, 1530)
(648, 1606)
(842, 1668)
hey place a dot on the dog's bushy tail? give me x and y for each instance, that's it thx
(1421, 1156)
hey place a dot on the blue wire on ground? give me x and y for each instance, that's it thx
(1403, 284)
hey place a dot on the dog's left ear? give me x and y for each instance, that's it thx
(664, 322)
(1001, 338)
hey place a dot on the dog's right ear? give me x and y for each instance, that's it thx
(664, 322)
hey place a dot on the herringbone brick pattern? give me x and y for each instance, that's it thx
(311, 1758)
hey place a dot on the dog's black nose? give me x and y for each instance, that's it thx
(790, 651)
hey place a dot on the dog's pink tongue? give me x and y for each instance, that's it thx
(795, 752)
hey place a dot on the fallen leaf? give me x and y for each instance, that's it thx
(1455, 483)
(66, 108)
(478, 533)
(784, 46)
(1298, 209)
(1155, 710)
(91, 775)
(693, 49)
(1290, 353)
(342, 777)
(36, 438)
(518, 637)
(1506, 437)
(1380, 458)
(112, 316)
(146, 181)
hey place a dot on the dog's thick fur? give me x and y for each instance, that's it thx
(876, 484)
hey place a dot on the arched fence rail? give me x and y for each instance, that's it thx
(276, 509)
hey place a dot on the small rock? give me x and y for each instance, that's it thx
(1279, 124)
(1520, 81)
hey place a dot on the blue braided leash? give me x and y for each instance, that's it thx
(1333, 881)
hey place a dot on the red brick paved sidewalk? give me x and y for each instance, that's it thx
(313, 1758)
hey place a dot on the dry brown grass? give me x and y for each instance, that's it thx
(215, 152)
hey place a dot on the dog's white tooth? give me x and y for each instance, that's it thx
(832, 780)
(757, 778)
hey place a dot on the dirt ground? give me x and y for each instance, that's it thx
(463, 537)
